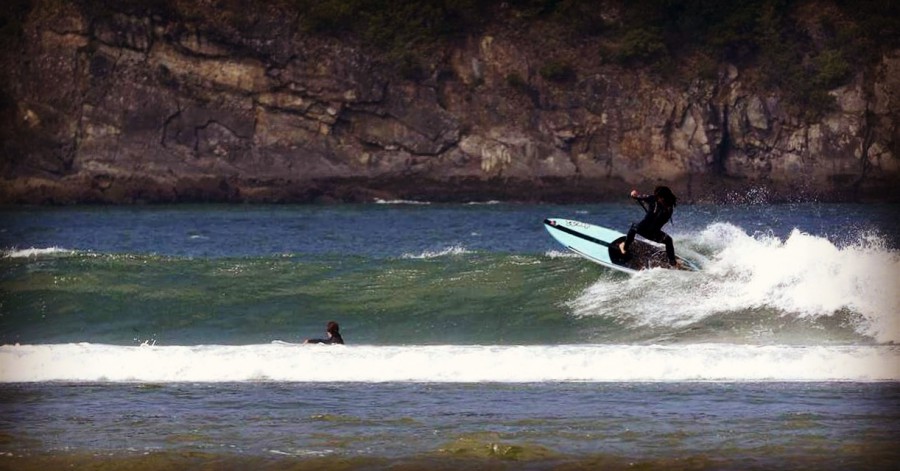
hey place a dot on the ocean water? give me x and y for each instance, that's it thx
(165, 337)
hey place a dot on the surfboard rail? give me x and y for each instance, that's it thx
(601, 245)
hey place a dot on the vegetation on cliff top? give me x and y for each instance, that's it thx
(802, 47)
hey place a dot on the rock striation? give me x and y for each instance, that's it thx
(130, 107)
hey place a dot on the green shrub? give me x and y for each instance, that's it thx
(11, 17)
(514, 80)
(392, 24)
(641, 45)
(832, 70)
(410, 68)
(557, 71)
(327, 16)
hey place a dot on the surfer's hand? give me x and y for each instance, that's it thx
(634, 193)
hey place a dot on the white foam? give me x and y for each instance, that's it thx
(804, 276)
(566, 363)
(36, 252)
(454, 250)
(413, 202)
(561, 254)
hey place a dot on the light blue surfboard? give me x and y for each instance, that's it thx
(600, 245)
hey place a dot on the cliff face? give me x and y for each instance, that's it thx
(126, 107)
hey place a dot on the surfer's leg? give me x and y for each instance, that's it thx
(662, 238)
(670, 247)
(626, 246)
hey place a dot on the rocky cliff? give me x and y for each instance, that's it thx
(149, 105)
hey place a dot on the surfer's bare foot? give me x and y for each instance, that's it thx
(622, 247)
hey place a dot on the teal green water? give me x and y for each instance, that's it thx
(455, 274)
(121, 299)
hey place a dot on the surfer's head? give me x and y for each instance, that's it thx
(665, 194)
(333, 328)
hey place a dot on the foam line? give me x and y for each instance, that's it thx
(470, 364)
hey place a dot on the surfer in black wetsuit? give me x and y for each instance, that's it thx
(660, 206)
(332, 333)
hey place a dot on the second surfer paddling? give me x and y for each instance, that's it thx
(332, 334)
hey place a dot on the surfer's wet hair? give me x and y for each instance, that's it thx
(333, 328)
(666, 194)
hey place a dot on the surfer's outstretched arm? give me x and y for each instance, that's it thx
(642, 197)
(332, 334)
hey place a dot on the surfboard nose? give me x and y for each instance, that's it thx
(549, 222)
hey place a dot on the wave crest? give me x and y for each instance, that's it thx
(36, 252)
(801, 277)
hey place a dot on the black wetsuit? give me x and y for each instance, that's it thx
(658, 214)
(335, 338)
